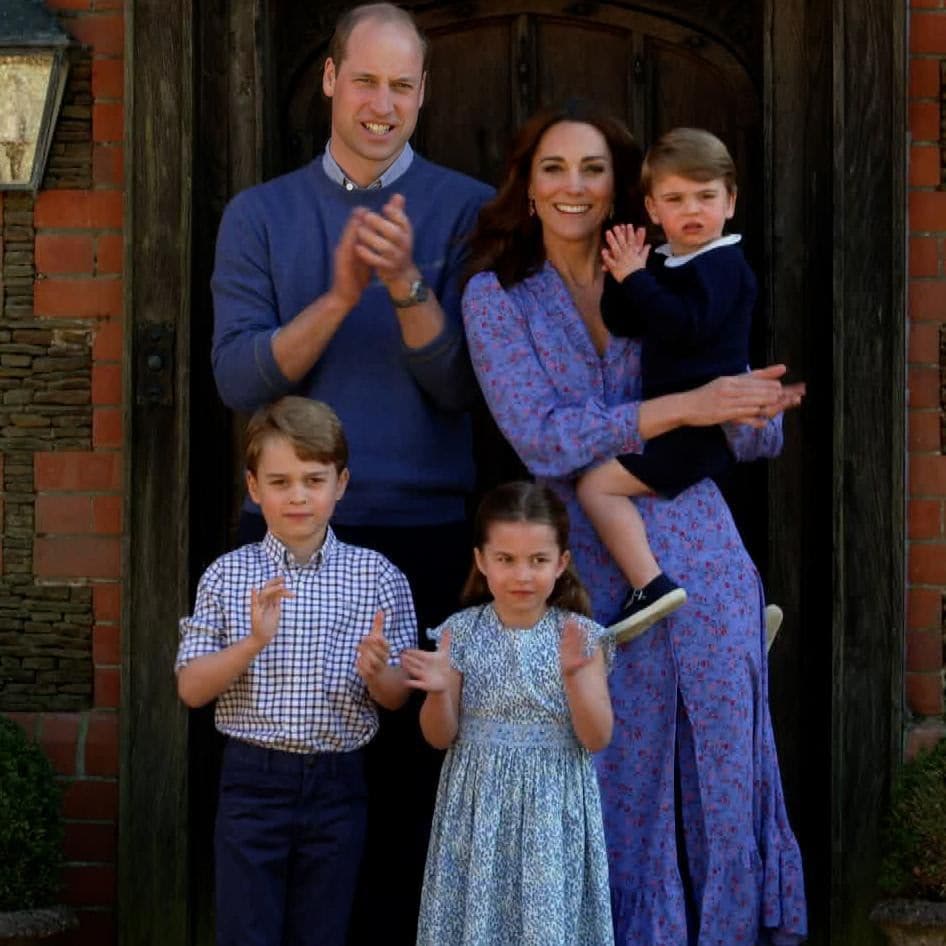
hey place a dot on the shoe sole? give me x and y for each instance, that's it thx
(773, 621)
(634, 626)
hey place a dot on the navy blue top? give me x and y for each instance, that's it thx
(404, 410)
(693, 318)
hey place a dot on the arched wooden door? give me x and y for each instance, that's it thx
(224, 96)
(659, 65)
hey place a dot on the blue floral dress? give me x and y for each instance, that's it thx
(690, 695)
(517, 854)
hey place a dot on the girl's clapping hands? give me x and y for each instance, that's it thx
(571, 649)
(430, 672)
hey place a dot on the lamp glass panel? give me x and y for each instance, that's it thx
(24, 82)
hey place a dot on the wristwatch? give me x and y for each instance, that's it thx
(418, 293)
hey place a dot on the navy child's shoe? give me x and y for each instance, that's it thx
(645, 606)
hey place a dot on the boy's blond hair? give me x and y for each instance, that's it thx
(688, 152)
(312, 428)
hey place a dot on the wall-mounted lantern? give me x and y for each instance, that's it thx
(33, 67)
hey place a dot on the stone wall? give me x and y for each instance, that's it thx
(45, 405)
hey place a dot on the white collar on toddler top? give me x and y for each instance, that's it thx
(671, 260)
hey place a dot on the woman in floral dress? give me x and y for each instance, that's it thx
(700, 849)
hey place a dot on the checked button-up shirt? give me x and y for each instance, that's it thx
(301, 693)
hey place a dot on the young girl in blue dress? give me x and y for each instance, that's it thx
(517, 693)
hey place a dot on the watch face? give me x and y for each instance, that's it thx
(418, 293)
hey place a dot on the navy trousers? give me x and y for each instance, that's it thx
(402, 770)
(289, 839)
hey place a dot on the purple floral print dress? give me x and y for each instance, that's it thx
(693, 690)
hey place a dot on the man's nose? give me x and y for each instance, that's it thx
(381, 100)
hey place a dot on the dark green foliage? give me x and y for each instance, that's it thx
(914, 864)
(30, 823)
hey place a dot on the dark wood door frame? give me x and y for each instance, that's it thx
(836, 169)
(153, 827)
(835, 99)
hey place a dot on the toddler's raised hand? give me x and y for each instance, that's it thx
(571, 649)
(625, 252)
(373, 651)
(428, 671)
(265, 607)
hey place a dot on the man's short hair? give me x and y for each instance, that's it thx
(691, 153)
(312, 428)
(381, 13)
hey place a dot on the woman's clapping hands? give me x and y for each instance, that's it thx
(752, 398)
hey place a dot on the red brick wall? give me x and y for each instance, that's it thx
(926, 500)
(78, 502)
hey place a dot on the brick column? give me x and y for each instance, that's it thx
(61, 449)
(926, 371)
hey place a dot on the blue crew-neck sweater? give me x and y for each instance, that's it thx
(405, 411)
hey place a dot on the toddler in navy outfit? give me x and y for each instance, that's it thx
(298, 638)
(691, 303)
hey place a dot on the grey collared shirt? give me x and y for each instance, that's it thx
(334, 171)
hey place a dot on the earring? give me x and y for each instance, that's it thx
(531, 206)
(611, 213)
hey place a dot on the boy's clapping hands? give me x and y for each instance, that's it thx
(386, 684)
(373, 651)
(265, 607)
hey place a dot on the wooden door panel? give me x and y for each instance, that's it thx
(688, 90)
(468, 109)
(587, 61)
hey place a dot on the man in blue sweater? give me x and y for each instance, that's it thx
(340, 282)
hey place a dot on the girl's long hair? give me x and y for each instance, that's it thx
(522, 501)
(507, 239)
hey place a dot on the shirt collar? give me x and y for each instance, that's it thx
(334, 172)
(672, 261)
(281, 556)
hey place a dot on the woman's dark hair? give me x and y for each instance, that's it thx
(522, 501)
(507, 239)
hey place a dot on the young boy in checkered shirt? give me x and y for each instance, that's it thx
(298, 638)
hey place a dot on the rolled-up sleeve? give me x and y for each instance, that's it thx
(204, 631)
(400, 621)
(245, 312)
(442, 367)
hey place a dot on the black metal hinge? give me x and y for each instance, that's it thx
(154, 364)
